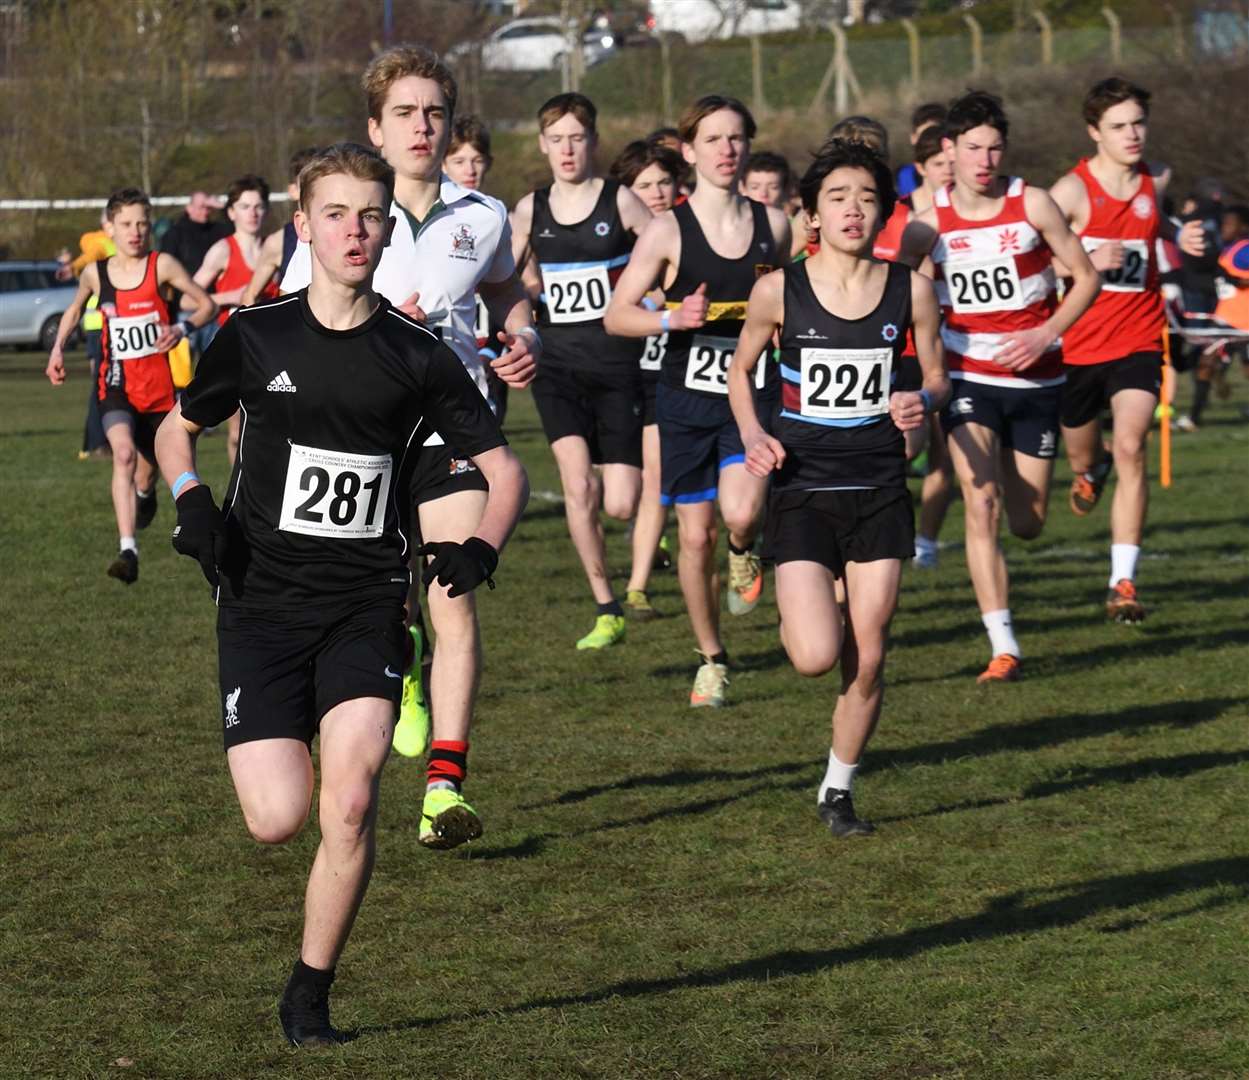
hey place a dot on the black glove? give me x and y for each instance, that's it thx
(461, 566)
(201, 531)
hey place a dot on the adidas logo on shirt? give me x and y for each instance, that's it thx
(281, 384)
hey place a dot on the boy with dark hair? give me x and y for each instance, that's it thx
(766, 178)
(309, 560)
(927, 117)
(279, 246)
(993, 240)
(839, 521)
(134, 383)
(1112, 355)
(575, 235)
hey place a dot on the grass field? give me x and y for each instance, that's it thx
(1059, 886)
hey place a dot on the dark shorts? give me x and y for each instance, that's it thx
(1090, 387)
(698, 437)
(440, 471)
(1025, 419)
(282, 671)
(117, 409)
(910, 375)
(650, 386)
(833, 528)
(602, 407)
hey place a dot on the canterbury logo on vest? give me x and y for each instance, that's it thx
(281, 384)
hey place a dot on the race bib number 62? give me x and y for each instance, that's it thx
(336, 495)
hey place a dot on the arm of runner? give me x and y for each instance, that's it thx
(799, 230)
(765, 311)
(918, 239)
(266, 266)
(521, 220)
(88, 285)
(909, 408)
(653, 254)
(508, 303)
(635, 215)
(210, 269)
(782, 234)
(194, 299)
(1189, 237)
(1071, 197)
(1024, 347)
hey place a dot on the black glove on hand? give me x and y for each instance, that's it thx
(201, 531)
(462, 567)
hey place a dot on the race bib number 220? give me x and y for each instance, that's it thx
(335, 495)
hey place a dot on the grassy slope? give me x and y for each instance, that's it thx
(1058, 888)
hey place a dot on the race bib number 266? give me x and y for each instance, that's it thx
(335, 495)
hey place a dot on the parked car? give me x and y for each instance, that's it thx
(534, 44)
(32, 302)
(702, 20)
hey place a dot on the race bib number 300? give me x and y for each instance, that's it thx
(578, 294)
(707, 368)
(845, 384)
(336, 495)
(1130, 276)
(984, 286)
(133, 336)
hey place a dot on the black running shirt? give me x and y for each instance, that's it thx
(333, 423)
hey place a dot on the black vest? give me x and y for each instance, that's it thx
(836, 377)
(580, 265)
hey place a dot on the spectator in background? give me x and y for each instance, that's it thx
(188, 240)
(1199, 294)
(925, 116)
(93, 246)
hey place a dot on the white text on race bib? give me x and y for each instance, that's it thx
(845, 384)
(578, 294)
(984, 286)
(331, 494)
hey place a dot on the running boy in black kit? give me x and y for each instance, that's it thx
(839, 513)
(308, 562)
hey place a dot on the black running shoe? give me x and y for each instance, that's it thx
(305, 1017)
(125, 568)
(146, 509)
(837, 812)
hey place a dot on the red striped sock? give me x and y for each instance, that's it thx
(448, 762)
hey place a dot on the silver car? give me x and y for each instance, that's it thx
(32, 302)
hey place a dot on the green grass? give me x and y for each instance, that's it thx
(1058, 887)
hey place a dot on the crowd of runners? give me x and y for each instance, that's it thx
(707, 337)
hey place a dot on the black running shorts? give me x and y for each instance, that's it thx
(1090, 387)
(1025, 419)
(833, 528)
(602, 407)
(117, 409)
(282, 671)
(650, 384)
(440, 471)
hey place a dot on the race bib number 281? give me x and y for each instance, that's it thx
(335, 495)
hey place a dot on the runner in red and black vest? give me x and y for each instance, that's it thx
(1113, 353)
(992, 240)
(228, 267)
(135, 385)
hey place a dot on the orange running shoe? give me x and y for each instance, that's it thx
(1002, 668)
(1084, 494)
(1121, 603)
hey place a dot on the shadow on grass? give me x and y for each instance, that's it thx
(1166, 768)
(675, 778)
(1025, 911)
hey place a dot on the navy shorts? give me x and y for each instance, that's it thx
(1025, 419)
(698, 437)
(281, 671)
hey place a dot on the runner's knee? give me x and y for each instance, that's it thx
(275, 824)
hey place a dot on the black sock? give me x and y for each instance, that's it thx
(735, 550)
(721, 657)
(612, 607)
(1201, 395)
(308, 981)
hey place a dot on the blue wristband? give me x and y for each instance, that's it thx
(665, 321)
(926, 398)
(649, 304)
(182, 481)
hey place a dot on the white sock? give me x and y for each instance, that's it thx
(1123, 562)
(924, 546)
(1001, 636)
(839, 776)
(128, 544)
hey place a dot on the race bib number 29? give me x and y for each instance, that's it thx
(335, 495)
(845, 384)
(707, 368)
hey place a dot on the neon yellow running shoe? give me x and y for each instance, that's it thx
(608, 629)
(638, 604)
(447, 821)
(745, 582)
(411, 736)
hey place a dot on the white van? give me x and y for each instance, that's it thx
(703, 20)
